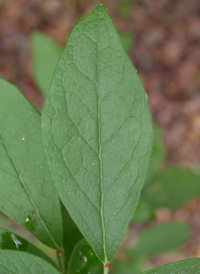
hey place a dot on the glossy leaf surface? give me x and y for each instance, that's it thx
(15, 262)
(98, 133)
(84, 260)
(12, 241)
(45, 56)
(160, 239)
(172, 188)
(27, 193)
(190, 266)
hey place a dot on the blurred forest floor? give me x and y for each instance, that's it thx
(165, 51)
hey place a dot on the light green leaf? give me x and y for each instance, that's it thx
(98, 133)
(27, 193)
(71, 235)
(45, 56)
(135, 266)
(189, 266)
(14, 262)
(10, 240)
(172, 188)
(158, 150)
(143, 213)
(127, 40)
(84, 260)
(160, 239)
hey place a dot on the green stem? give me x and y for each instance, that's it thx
(106, 270)
(62, 260)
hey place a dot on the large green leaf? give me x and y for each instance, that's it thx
(160, 239)
(10, 240)
(27, 193)
(98, 133)
(84, 260)
(189, 266)
(172, 188)
(14, 262)
(45, 56)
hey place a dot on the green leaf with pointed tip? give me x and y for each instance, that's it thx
(45, 56)
(10, 240)
(98, 133)
(84, 260)
(27, 193)
(172, 188)
(15, 262)
(160, 239)
(189, 266)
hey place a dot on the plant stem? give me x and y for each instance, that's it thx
(106, 270)
(62, 261)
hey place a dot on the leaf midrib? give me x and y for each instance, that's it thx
(28, 193)
(100, 145)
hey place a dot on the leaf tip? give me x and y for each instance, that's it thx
(100, 8)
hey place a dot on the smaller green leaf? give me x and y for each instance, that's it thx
(160, 239)
(135, 266)
(84, 260)
(158, 153)
(45, 56)
(189, 266)
(14, 262)
(144, 213)
(27, 192)
(127, 40)
(172, 188)
(124, 8)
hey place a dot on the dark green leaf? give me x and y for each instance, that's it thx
(45, 56)
(14, 262)
(71, 235)
(84, 260)
(98, 133)
(172, 188)
(190, 266)
(27, 193)
(160, 239)
(10, 240)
